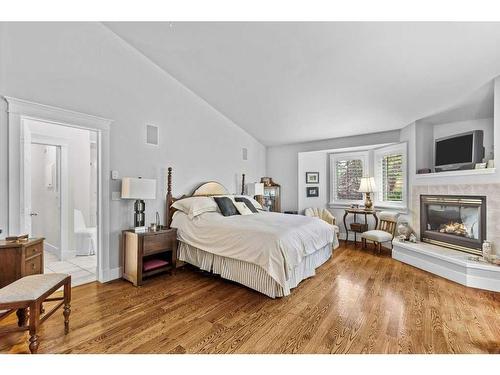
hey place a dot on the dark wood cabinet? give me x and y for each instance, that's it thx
(19, 259)
(271, 200)
(147, 254)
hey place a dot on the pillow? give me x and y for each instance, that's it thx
(243, 209)
(226, 206)
(249, 204)
(256, 204)
(195, 206)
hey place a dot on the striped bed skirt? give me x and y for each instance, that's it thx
(251, 275)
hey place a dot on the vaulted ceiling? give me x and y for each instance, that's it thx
(295, 82)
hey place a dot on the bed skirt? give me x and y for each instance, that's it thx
(250, 274)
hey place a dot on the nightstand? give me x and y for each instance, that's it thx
(19, 259)
(148, 254)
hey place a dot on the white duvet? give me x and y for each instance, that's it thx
(276, 242)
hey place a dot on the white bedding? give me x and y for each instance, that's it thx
(276, 242)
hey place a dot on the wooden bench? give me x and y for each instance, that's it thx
(27, 295)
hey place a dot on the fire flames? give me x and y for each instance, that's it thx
(455, 228)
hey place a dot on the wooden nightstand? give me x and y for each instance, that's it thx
(148, 254)
(19, 259)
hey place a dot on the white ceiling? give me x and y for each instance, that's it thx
(294, 82)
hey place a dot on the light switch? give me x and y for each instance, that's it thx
(115, 175)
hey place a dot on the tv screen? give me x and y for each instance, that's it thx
(454, 150)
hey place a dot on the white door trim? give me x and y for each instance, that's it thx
(18, 110)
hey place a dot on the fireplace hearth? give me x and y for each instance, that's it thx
(457, 222)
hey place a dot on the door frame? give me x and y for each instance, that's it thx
(17, 111)
(61, 143)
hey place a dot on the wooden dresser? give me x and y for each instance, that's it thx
(19, 259)
(147, 254)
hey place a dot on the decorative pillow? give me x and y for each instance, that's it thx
(253, 201)
(243, 208)
(226, 206)
(249, 204)
(195, 206)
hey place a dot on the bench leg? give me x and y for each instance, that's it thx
(67, 305)
(21, 317)
(34, 322)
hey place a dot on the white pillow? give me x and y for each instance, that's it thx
(253, 201)
(242, 208)
(195, 206)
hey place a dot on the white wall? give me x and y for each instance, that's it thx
(282, 161)
(87, 68)
(316, 161)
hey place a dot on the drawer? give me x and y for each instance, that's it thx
(156, 242)
(33, 266)
(33, 250)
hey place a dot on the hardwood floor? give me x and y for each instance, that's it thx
(358, 302)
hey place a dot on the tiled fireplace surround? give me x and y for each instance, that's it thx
(491, 191)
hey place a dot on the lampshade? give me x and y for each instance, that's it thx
(255, 188)
(138, 188)
(367, 185)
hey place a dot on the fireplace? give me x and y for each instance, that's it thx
(457, 222)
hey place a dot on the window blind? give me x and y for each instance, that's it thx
(392, 177)
(348, 176)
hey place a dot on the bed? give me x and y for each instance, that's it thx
(266, 251)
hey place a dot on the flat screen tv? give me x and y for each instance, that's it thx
(460, 151)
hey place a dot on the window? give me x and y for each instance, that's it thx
(346, 171)
(390, 175)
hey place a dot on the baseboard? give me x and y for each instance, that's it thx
(51, 248)
(111, 274)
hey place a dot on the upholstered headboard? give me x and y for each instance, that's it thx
(206, 189)
(210, 188)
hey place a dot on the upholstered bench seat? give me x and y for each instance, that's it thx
(30, 288)
(377, 235)
(28, 295)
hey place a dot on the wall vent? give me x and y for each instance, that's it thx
(152, 136)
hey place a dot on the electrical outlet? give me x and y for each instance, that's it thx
(115, 196)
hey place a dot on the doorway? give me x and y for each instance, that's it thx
(60, 190)
(19, 111)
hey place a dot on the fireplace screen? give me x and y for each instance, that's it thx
(457, 222)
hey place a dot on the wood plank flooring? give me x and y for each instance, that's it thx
(359, 302)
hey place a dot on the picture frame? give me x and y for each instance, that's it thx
(312, 191)
(312, 177)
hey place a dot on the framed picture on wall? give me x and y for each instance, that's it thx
(312, 191)
(312, 177)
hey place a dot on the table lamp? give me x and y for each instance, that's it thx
(255, 189)
(138, 189)
(367, 186)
